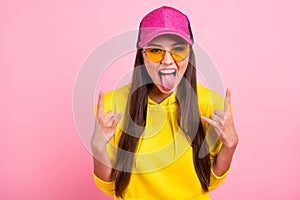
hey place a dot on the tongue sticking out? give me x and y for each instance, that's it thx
(168, 81)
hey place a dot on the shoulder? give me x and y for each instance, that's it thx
(116, 99)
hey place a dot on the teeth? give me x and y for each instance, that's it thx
(168, 71)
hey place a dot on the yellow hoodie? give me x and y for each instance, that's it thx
(163, 166)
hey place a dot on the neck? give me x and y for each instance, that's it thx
(156, 95)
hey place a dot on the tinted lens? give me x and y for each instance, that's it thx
(155, 54)
(177, 53)
(180, 53)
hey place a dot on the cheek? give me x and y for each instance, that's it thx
(147, 65)
(150, 67)
(182, 67)
(145, 59)
(151, 70)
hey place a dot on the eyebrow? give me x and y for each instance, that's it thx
(158, 45)
(177, 43)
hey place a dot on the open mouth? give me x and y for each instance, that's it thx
(167, 78)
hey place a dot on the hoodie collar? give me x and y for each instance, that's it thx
(171, 99)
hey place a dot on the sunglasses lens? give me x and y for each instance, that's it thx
(180, 53)
(155, 54)
(177, 53)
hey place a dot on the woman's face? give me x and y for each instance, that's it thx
(167, 73)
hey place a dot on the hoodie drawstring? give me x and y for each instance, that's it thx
(173, 120)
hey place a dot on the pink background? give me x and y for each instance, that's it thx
(254, 44)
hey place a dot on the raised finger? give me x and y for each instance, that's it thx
(227, 101)
(100, 111)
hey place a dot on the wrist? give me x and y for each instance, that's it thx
(230, 145)
(228, 149)
(98, 149)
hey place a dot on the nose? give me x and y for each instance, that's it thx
(167, 60)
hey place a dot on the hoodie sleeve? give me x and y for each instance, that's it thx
(107, 187)
(209, 101)
(115, 100)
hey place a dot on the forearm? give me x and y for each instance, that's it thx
(102, 165)
(105, 128)
(223, 160)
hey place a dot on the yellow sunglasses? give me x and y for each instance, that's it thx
(157, 55)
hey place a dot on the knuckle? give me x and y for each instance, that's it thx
(103, 121)
(109, 124)
(100, 119)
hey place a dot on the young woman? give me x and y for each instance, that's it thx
(151, 138)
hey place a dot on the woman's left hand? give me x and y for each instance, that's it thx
(222, 122)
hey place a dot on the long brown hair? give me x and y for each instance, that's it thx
(188, 118)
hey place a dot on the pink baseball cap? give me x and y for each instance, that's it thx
(164, 20)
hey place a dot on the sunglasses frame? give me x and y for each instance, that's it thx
(164, 53)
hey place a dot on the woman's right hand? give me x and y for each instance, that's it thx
(105, 126)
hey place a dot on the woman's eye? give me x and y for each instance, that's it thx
(176, 49)
(155, 50)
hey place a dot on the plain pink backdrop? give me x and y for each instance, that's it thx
(254, 44)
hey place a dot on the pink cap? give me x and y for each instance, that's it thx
(164, 20)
